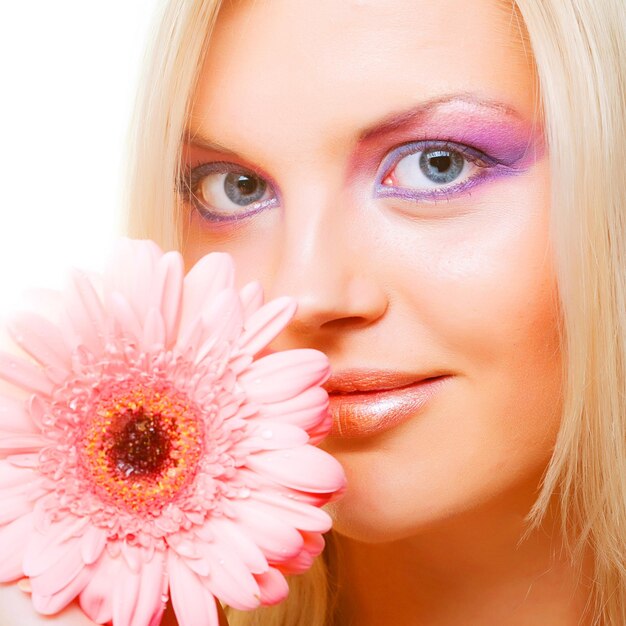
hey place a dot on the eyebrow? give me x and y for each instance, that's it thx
(204, 142)
(394, 121)
(391, 122)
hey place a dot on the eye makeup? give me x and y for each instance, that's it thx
(495, 145)
(191, 189)
(484, 167)
(509, 142)
(491, 127)
(493, 141)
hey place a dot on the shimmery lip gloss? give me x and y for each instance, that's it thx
(367, 413)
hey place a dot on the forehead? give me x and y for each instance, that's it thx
(293, 71)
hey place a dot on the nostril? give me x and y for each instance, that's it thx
(347, 323)
(338, 303)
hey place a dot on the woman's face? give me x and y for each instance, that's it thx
(378, 161)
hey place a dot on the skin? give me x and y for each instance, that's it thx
(429, 529)
(463, 286)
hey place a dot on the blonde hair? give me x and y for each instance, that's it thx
(579, 50)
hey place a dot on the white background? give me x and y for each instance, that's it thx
(68, 76)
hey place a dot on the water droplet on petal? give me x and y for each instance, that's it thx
(244, 493)
(221, 561)
(267, 434)
(164, 598)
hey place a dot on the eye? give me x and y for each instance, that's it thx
(431, 169)
(224, 191)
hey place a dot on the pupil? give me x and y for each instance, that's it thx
(141, 447)
(246, 185)
(442, 163)
(244, 189)
(441, 166)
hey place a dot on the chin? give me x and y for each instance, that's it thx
(370, 525)
(374, 518)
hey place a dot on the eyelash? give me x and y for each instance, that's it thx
(192, 176)
(487, 165)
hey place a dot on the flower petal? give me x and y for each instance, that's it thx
(222, 321)
(299, 514)
(166, 292)
(49, 605)
(131, 272)
(132, 556)
(320, 432)
(122, 311)
(273, 586)
(96, 599)
(37, 409)
(21, 443)
(237, 542)
(15, 417)
(192, 602)
(61, 573)
(11, 475)
(269, 435)
(152, 587)
(23, 491)
(42, 340)
(229, 579)
(188, 342)
(92, 544)
(313, 546)
(125, 596)
(153, 338)
(13, 537)
(306, 468)
(306, 410)
(277, 539)
(239, 361)
(12, 508)
(44, 550)
(283, 375)
(30, 460)
(86, 312)
(265, 324)
(22, 374)
(251, 296)
(210, 275)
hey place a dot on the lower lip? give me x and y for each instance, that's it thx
(372, 412)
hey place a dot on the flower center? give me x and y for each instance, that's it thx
(141, 447)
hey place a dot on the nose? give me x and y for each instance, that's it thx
(326, 266)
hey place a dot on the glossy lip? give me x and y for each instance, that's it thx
(367, 402)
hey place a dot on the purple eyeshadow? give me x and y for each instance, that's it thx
(499, 145)
(508, 139)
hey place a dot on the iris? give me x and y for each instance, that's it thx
(441, 166)
(244, 189)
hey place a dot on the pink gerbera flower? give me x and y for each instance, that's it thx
(152, 451)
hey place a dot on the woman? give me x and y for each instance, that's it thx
(432, 182)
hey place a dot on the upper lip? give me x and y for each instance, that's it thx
(355, 380)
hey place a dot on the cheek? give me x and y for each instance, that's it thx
(476, 298)
(489, 306)
(481, 286)
(252, 244)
